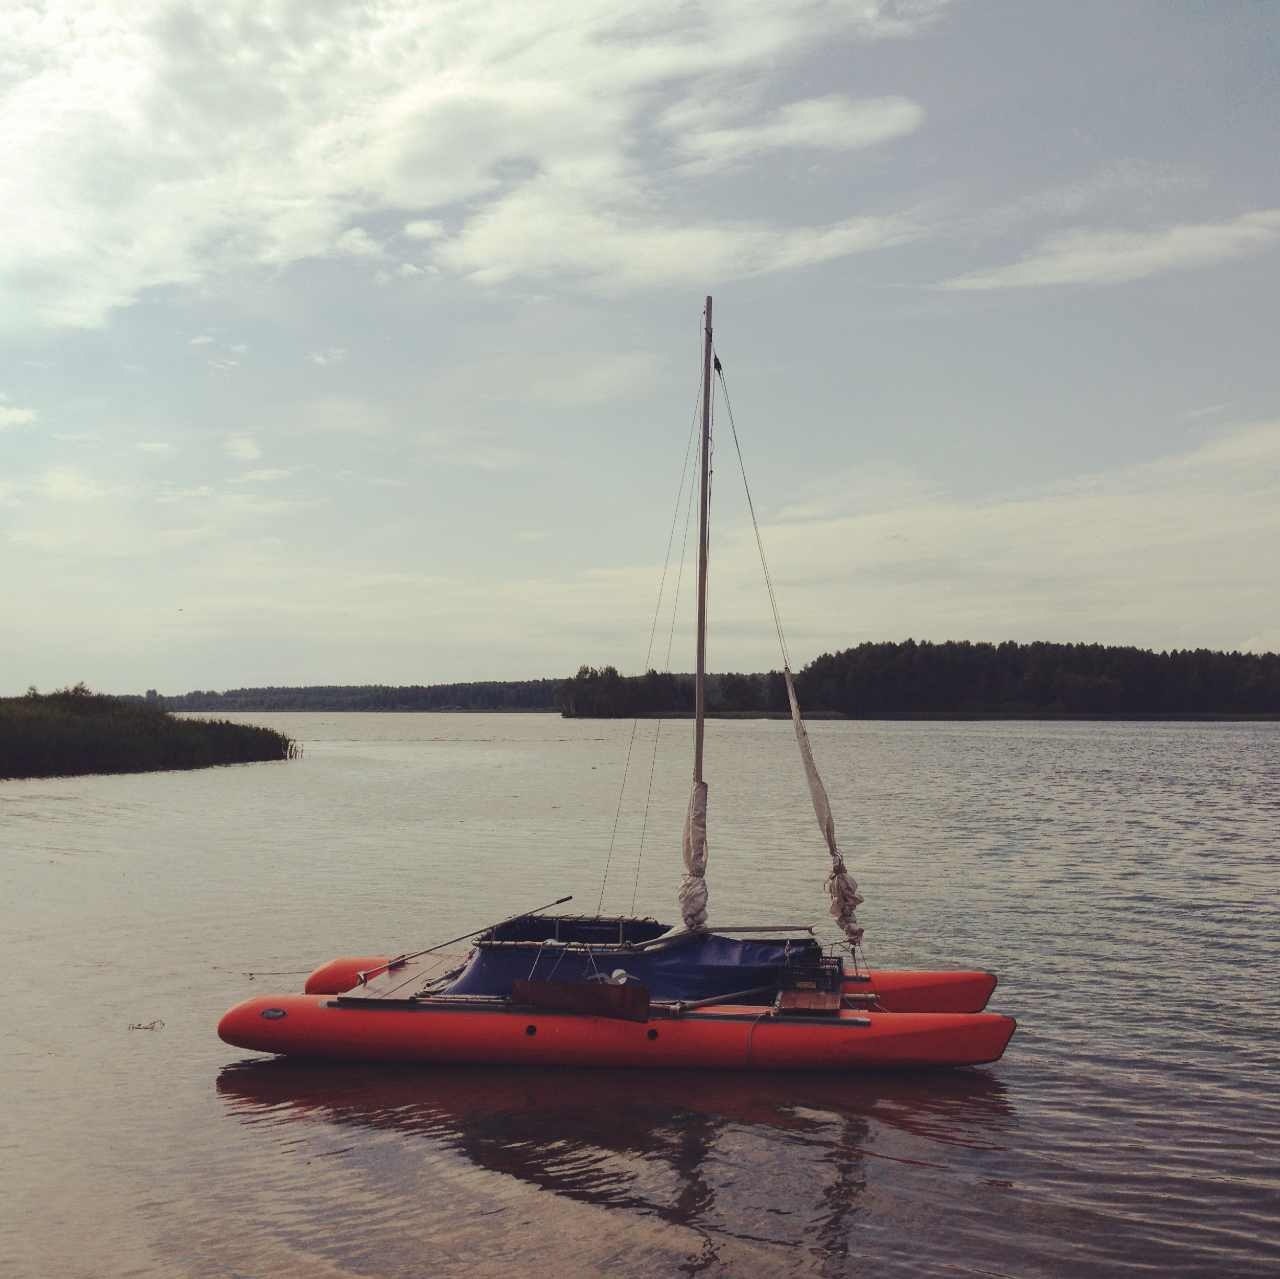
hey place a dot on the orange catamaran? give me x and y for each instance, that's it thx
(576, 990)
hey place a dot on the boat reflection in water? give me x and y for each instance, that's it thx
(763, 1160)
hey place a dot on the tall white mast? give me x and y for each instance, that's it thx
(699, 694)
(693, 888)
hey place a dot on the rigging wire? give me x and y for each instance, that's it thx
(635, 885)
(671, 635)
(855, 947)
(755, 524)
(653, 630)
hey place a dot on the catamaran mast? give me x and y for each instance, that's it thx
(693, 888)
(699, 690)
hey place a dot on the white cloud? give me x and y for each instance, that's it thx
(203, 340)
(554, 228)
(153, 446)
(331, 355)
(1148, 554)
(1256, 446)
(358, 243)
(424, 229)
(1113, 257)
(340, 414)
(265, 475)
(65, 484)
(1125, 187)
(603, 378)
(244, 448)
(198, 493)
(471, 449)
(832, 123)
(1207, 410)
(10, 416)
(149, 145)
(869, 487)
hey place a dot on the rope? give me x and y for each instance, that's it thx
(671, 635)
(653, 630)
(613, 837)
(843, 890)
(755, 524)
(751, 1034)
(414, 975)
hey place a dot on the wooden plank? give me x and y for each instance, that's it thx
(809, 1001)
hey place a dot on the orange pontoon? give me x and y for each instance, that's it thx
(725, 1036)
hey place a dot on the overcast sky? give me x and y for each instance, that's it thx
(354, 343)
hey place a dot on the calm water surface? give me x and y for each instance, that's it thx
(1122, 879)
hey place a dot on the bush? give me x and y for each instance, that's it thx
(76, 731)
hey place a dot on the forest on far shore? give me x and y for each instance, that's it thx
(1039, 680)
(484, 695)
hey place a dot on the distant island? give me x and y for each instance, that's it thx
(870, 681)
(76, 731)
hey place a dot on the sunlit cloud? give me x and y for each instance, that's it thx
(358, 243)
(831, 123)
(133, 164)
(11, 415)
(1114, 257)
(332, 355)
(66, 484)
(244, 448)
(424, 229)
(471, 449)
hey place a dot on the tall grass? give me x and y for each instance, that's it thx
(76, 731)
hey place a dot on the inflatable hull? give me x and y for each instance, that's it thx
(721, 1037)
(911, 991)
(895, 990)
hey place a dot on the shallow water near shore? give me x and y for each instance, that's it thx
(1123, 879)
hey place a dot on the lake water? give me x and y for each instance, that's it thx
(1121, 878)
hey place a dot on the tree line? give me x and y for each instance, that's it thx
(75, 731)
(960, 678)
(486, 695)
(868, 681)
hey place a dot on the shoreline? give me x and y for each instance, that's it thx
(1196, 717)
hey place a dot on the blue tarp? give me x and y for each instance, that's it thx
(697, 967)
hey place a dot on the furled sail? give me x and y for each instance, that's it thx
(843, 889)
(693, 888)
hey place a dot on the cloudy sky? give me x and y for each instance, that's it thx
(352, 343)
